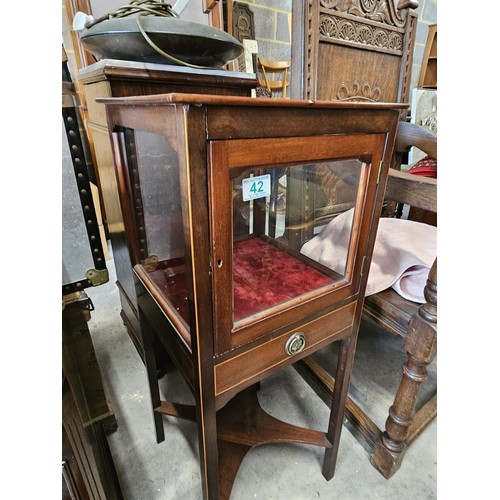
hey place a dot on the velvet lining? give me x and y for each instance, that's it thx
(263, 277)
(170, 278)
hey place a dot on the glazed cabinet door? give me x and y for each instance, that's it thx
(268, 198)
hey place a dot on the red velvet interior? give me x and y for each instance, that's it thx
(170, 278)
(263, 277)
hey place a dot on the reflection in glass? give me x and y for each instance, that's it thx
(158, 172)
(276, 212)
(279, 215)
(153, 174)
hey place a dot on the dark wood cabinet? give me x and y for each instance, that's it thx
(87, 466)
(113, 78)
(220, 196)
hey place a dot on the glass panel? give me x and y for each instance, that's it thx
(278, 215)
(153, 169)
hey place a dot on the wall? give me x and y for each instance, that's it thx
(273, 25)
(273, 20)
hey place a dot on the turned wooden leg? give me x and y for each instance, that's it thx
(421, 348)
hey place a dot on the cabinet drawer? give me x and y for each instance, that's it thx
(250, 366)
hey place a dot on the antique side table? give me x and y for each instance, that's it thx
(219, 194)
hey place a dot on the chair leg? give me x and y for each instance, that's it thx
(152, 374)
(421, 348)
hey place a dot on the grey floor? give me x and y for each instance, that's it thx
(170, 470)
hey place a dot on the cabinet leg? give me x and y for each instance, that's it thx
(340, 390)
(207, 440)
(152, 374)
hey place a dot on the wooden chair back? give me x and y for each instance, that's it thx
(360, 50)
(354, 50)
(275, 76)
(413, 322)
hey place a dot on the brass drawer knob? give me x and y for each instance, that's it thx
(295, 343)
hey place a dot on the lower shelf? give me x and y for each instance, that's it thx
(242, 425)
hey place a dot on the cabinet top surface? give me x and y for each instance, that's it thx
(216, 100)
(116, 67)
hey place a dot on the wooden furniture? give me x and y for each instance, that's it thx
(241, 24)
(220, 278)
(415, 323)
(112, 78)
(355, 50)
(84, 248)
(352, 51)
(215, 12)
(358, 51)
(428, 71)
(274, 76)
(87, 466)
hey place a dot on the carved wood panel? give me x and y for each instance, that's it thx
(243, 22)
(353, 49)
(243, 28)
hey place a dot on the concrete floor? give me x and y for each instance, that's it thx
(170, 470)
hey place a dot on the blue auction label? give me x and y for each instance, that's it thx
(256, 187)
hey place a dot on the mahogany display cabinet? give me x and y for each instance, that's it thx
(219, 194)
